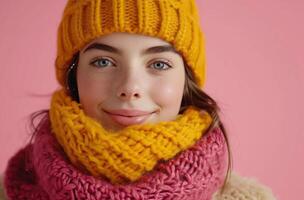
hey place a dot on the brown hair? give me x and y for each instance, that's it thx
(193, 95)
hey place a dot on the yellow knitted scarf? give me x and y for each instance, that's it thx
(127, 154)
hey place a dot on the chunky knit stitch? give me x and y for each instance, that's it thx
(123, 155)
(41, 171)
(175, 21)
(237, 187)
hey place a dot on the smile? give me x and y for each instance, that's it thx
(128, 117)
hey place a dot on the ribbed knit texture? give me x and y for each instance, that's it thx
(175, 21)
(127, 154)
(43, 172)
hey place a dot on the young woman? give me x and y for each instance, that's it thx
(130, 120)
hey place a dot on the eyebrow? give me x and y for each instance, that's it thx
(151, 50)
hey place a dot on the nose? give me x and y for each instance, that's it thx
(130, 86)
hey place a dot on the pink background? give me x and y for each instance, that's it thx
(255, 72)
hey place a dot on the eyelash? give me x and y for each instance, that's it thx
(99, 59)
(157, 61)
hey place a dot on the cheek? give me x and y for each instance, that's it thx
(92, 91)
(168, 93)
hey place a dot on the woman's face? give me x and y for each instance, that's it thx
(125, 79)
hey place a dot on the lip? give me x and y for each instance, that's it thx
(128, 117)
(128, 113)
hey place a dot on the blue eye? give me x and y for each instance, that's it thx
(161, 65)
(101, 62)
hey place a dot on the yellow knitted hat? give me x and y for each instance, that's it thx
(175, 21)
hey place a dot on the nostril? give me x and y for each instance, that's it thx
(129, 95)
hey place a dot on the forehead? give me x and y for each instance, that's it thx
(128, 40)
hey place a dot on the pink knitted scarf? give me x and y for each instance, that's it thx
(41, 171)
